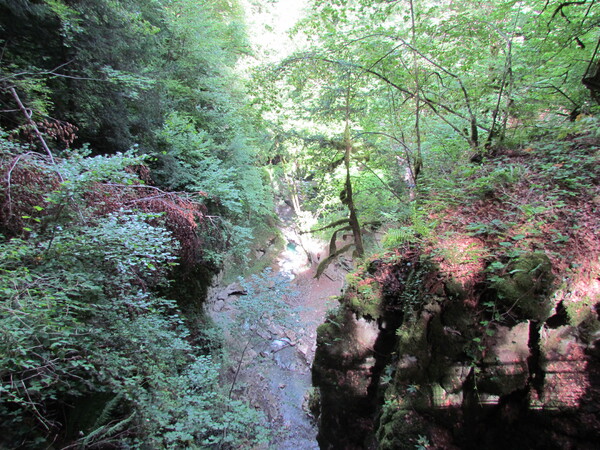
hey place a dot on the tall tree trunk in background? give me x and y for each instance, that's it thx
(292, 183)
(418, 157)
(348, 198)
(498, 131)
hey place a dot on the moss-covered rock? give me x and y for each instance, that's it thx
(455, 290)
(343, 372)
(400, 429)
(457, 316)
(526, 287)
(365, 304)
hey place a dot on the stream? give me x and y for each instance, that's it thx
(276, 374)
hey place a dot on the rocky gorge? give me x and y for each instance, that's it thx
(445, 374)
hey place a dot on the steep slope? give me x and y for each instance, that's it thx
(479, 329)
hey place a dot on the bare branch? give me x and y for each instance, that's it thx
(27, 113)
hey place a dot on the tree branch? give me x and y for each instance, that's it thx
(331, 225)
(27, 113)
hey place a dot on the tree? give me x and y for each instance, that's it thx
(91, 353)
(423, 96)
(159, 76)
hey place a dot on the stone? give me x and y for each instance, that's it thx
(455, 377)
(506, 369)
(264, 334)
(235, 289)
(280, 344)
(219, 305)
(406, 362)
(441, 398)
(527, 286)
(565, 362)
(303, 349)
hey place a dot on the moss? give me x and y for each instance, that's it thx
(580, 310)
(526, 287)
(313, 402)
(454, 289)
(363, 295)
(326, 333)
(589, 329)
(445, 346)
(334, 340)
(399, 429)
(412, 338)
(190, 287)
(413, 350)
(458, 316)
(365, 306)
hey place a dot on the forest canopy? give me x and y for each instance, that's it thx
(128, 153)
(145, 145)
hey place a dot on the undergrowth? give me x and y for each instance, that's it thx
(91, 355)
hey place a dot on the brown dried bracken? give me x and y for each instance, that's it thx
(27, 179)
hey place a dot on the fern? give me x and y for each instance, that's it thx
(104, 431)
(397, 237)
(107, 411)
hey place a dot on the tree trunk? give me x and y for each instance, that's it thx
(418, 157)
(349, 201)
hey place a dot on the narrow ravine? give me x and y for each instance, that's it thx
(276, 378)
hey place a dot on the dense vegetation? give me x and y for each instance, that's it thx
(108, 109)
(131, 145)
(400, 94)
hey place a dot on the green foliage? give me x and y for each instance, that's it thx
(82, 324)
(418, 229)
(567, 168)
(397, 237)
(75, 316)
(498, 177)
(158, 75)
(191, 163)
(516, 80)
(268, 301)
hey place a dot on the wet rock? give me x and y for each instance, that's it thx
(276, 330)
(264, 334)
(286, 358)
(291, 335)
(235, 289)
(219, 305)
(303, 349)
(250, 356)
(280, 344)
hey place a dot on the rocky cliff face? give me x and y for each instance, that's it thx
(448, 352)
